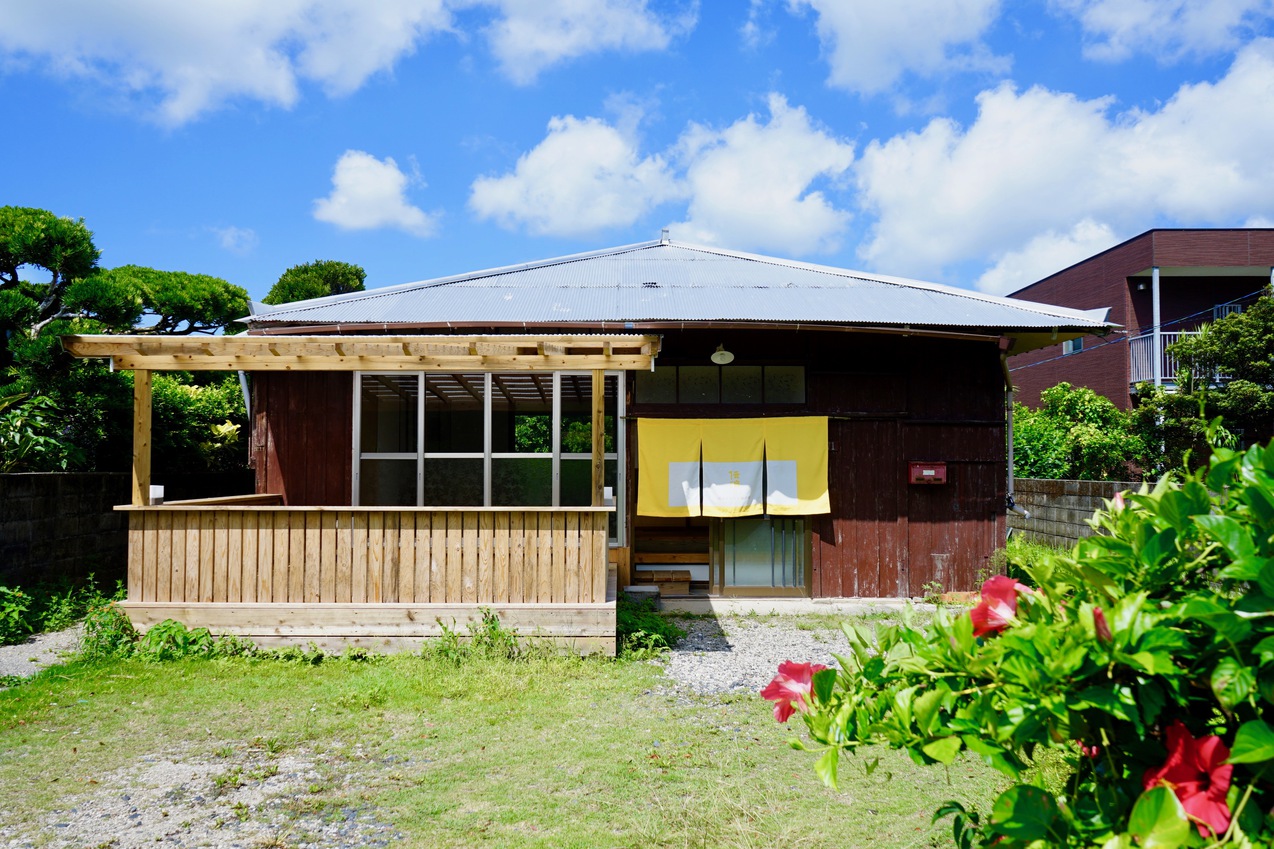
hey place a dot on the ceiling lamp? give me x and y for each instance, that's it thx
(721, 356)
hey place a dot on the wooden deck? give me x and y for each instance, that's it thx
(370, 576)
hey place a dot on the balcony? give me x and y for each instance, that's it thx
(1141, 358)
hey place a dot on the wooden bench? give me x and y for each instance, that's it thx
(669, 581)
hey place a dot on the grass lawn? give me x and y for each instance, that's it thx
(551, 752)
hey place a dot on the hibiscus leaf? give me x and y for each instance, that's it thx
(1234, 537)
(1158, 821)
(824, 685)
(1232, 682)
(944, 749)
(826, 765)
(1025, 813)
(1253, 744)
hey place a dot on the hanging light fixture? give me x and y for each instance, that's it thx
(721, 356)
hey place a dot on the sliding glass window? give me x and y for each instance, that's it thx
(501, 440)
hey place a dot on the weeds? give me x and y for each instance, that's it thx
(640, 631)
(47, 607)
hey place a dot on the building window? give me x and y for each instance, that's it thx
(731, 384)
(1073, 346)
(1222, 310)
(495, 440)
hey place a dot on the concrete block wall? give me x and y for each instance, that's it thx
(62, 525)
(1060, 510)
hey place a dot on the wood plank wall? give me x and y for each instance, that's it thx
(231, 556)
(301, 436)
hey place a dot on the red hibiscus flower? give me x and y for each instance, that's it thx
(1197, 773)
(791, 688)
(1101, 626)
(998, 605)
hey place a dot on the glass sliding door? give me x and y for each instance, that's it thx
(760, 555)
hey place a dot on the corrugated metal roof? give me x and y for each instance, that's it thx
(670, 281)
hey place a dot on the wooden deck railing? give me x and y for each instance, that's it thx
(240, 553)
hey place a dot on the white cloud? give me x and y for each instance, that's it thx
(190, 57)
(1259, 221)
(237, 240)
(368, 194)
(585, 176)
(1045, 254)
(750, 184)
(870, 46)
(1037, 161)
(1165, 29)
(532, 35)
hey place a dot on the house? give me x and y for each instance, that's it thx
(1160, 286)
(529, 438)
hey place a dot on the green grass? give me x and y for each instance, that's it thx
(541, 752)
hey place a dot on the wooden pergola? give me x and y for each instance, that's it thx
(143, 354)
(378, 576)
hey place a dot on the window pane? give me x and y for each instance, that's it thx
(699, 384)
(764, 552)
(387, 483)
(389, 408)
(522, 413)
(658, 386)
(577, 413)
(453, 482)
(453, 415)
(522, 481)
(741, 385)
(577, 487)
(785, 384)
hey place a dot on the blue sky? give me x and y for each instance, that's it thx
(978, 143)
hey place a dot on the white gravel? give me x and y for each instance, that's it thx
(27, 658)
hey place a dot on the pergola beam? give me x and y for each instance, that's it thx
(454, 354)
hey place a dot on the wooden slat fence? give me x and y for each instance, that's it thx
(248, 555)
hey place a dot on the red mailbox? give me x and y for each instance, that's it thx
(926, 473)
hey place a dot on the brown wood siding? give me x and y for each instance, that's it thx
(302, 436)
(889, 400)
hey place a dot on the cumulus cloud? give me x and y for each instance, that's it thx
(370, 193)
(237, 240)
(187, 58)
(532, 35)
(1037, 161)
(750, 184)
(1165, 29)
(585, 176)
(870, 46)
(1045, 254)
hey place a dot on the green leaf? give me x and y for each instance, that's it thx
(1232, 682)
(826, 765)
(1158, 821)
(926, 709)
(824, 684)
(1233, 536)
(943, 750)
(1025, 813)
(1254, 743)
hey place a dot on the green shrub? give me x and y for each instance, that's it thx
(1143, 656)
(640, 631)
(108, 633)
(14, 605)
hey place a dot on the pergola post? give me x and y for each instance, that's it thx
(141, 438)
(599, 437)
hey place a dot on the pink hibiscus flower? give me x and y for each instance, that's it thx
(1197, 773)
(790, 689)
(1101, 626)
(998, 606)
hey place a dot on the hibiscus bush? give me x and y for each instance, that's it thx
(1143, 658)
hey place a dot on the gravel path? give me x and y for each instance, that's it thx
(27, 658)
(254, 798)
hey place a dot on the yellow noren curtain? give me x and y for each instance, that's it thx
(733, 455)
(669, 480)
(796, 466)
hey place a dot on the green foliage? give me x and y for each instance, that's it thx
(33, 438)
(533, 434)
(14, 605)
(198, 426)
(316, 279)
(147, 300)
(61, 246)
(487, 640)
(640, 631)
(1160, 624)
(1075, 434)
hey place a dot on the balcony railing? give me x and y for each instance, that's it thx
(1141, 357)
